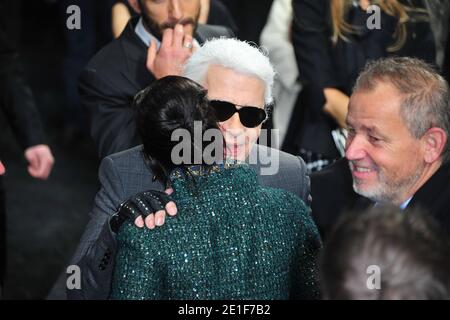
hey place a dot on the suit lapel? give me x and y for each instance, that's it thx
(427, 197)
(206, 32)
(135, 53)
(201, 34)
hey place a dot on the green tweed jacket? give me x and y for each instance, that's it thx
(231, 239)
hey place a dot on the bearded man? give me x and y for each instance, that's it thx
(398, 148)
(154, 44)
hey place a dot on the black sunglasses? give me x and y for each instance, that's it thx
(250, 117)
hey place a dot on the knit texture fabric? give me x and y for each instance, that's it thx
(231, 239)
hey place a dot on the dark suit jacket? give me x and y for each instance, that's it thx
(334, 184)
(124, 174)
(17, 105)
(110, 81)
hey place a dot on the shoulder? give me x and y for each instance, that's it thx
(130, 170)
(287, 161)
(286, 199)
(104, 70)
(107, 57)
(289, 207)
(112, 60)
(130, 159)
(279, 169)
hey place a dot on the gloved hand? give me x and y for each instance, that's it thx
(140, 205)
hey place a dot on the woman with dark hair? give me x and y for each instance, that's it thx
(231, 238)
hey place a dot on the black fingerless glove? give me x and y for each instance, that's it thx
(141, 204)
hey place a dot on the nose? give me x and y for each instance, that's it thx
(354, 149)
(175, 10)
(234, 123)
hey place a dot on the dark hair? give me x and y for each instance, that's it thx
(411, 252)
(168, 104)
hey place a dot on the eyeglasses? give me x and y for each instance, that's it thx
(250, 117)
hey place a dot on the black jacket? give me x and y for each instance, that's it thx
(110, 81)
(17, 105)
(333, 195)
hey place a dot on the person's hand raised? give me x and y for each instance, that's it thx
(176, 48)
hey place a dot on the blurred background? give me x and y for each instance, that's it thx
(45, 218)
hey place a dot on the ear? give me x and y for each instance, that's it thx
(135, 5)
(434, 141)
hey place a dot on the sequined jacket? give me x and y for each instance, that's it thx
(231, 239)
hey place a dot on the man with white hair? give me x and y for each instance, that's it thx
(239, 79)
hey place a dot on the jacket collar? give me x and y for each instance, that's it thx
(135, 53)
(427, 196)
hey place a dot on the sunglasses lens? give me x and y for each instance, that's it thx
(252, 116)
(222, 109)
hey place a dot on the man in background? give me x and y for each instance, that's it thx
(398, 148)
(154, 44)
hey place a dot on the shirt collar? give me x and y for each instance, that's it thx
(402, 206)
(405, 204)
(144, 35)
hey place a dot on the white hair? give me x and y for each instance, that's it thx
(239, 56)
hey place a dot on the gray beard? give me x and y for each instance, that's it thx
(386, 192)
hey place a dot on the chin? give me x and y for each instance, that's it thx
(373, 193)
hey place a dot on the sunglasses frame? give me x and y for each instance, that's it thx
(238, 110)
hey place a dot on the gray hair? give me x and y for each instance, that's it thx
(425, 93)
(236, 55)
